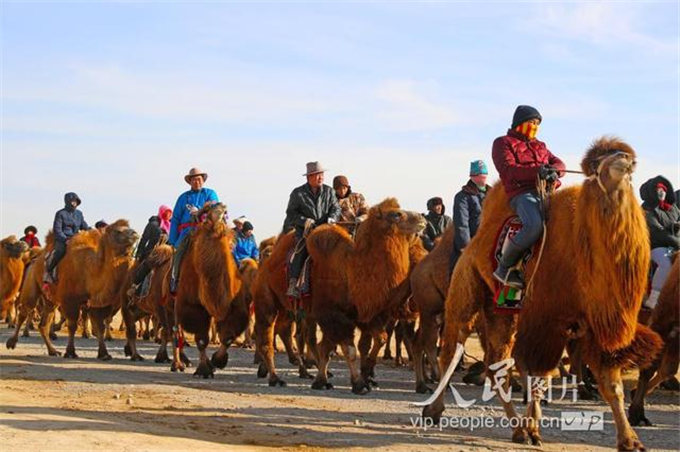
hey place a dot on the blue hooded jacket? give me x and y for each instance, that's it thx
(69, 220)
(245, 247)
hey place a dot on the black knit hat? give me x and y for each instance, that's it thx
(30, 228)
(524, 113)
(247, 226)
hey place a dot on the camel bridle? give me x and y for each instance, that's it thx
(604, 160)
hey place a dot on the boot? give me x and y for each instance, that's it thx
(652, 300)
(173, 286)
(504, 272)
(293, 291)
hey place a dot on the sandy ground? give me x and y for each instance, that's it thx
(51, 403)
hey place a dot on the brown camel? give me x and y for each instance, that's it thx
(154, 303)
(361, 283)
(93, 271)
(210, 284)
(665, 321)
(275, 314)
(11, 271)
(588, 287)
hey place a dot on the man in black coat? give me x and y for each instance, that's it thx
(467, 209)
(67, 223)
(437, 222)
(309, 206)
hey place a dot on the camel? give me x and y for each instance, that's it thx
(154, 303)
(665, 321)
(210, 284)
(361, 283)
(93, 271)
(588, 287)
(11, 271)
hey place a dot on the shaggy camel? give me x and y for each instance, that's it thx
(361, 283)
(154, 303)
(275, 314)
(596, 240)
(93, 271)
(665, 321)
(210, 284)
(11, 271)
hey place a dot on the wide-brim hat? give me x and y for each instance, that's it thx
(195, 172)
(314, 168)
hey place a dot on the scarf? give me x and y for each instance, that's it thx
(663, 204)
(165, 224)
(527, 129)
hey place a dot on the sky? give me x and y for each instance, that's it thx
(116, 101)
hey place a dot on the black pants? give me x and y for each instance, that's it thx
(177, 257)
(143, 269)
(299, 257)
(57, 255)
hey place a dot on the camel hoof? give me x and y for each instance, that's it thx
(319, 384)
(175, 366)
(535, 439)
(11, 343)
(294, 361)
(371, 381)
(387, 356)
(127, 350)
(474, 379)
(25, 334)
(185, 359)
(585, 393)
(53, 336)
(422, 388)
(329, 374)
(304, 374)
(136, 357)
(104, 356)
(53, 353)
(205, 371)
(70, 354)
(146, 336)
(636, 417)
(219, 362)
(631, 444)
(160, 359)
(520, 436)
(262, 371)
(430, 412)
(85, 336)
(277, 382)
(360, 388)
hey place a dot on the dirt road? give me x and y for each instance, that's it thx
(52, 403)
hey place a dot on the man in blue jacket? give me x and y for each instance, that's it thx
(67, 223)
(245, 246)
(467, 209)
(184, 218)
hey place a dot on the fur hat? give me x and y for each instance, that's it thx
(247, 226)
(436, 201)
(524, 113)
(30, 228)
(195, 172)
(313, 168)
(340, 181)
(478, 167)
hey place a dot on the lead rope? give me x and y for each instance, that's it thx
(544, 192)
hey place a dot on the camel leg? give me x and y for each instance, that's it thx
(425, 344)
(611, 389)
(302, 331)
(636, 411)
(324, 349)
(108, 328)
(284, 329)
(130, 335)
(378, 335)
(71, 313)
(20, 319)
(389, 329)
(45, 326)
(204, 368)
(29, 323)
(84, 318)
(265, 318)
(349, 351)
(98, 319)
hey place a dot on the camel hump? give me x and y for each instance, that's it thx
(325, 239)
(160, 255)
(247, 264)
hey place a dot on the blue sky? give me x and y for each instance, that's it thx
(116, 101)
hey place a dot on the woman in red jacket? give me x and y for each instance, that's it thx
(31, 237)
(520, 159)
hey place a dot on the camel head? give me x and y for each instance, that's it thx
(13, 247)
(611, 162)
(389, 215)
(120, 237)
(215, 213)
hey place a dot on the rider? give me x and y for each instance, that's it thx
(183, 218)
(520, 159)
(663, 221)
(309, 205)
(353, 206)
(155, 232)
(245, 245)
(31, 237)
(437, 222)
(67, 223)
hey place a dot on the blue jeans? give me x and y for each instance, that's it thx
(528, 207)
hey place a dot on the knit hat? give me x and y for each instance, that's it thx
(478, 167)
(247, 226)
(101, 224)
(340, 181)
(30, 228)
(524, 113)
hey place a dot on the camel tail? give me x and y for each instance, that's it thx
(444, 381)
(640, 353)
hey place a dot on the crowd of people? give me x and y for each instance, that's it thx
(519, 157)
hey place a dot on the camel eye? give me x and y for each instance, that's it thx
(394, 216)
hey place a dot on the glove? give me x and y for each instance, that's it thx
(309, 223)
(547, 173)
(193, 210)
(331, 221)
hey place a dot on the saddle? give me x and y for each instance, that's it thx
(508, 300)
